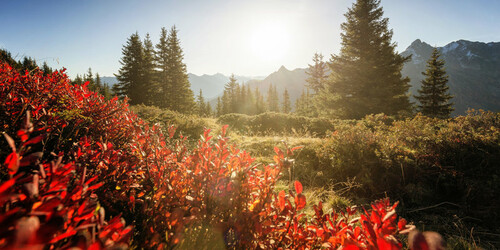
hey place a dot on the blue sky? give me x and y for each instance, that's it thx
(252, 38)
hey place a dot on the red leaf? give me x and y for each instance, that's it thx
(281, 200)
(63, 236)
(300, 201)
(223, 130)
(401, 224)
(6, 185)
(12, 163)
(22, 134)
(298, 187)
(96, 186)
(34, 140)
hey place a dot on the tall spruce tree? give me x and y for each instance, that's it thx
(272, 99)
(181, 97)
(230, 96)
(219, 107)
(260, 106)
(366, 76)
(433, 95)
(287, 106)
(149, 72)
(317, 73)
(130, 75)
(164, 92)
(200, 104)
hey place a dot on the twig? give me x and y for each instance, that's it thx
(433, 206)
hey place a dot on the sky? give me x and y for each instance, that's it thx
(249, 38)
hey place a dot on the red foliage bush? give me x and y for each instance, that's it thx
(120, 163)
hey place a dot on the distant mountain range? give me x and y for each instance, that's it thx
(292, 80)
(473, 69)
(211, 85)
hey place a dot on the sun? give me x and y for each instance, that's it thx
(270, 41)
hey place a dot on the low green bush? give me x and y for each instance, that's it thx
(271, 123)
(190, 126)
(450, 165)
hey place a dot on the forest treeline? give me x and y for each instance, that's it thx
(364, 78)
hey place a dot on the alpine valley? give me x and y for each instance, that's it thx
(473, 69)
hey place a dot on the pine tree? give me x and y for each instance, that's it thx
(366, 76)
(164, 93)
(149, 73)
(230, 96)
(317, 73)
(6, 56)
(260, 106)
(78, 80)
(130, 75)
(208, 109)
(104, 89)
(433, 95)
(272, 99)
(28, 64)
(287, 106)
(89, 77)
(46, 69)
(218, 107)
(200, 102)
(304, 105)
(181, 97)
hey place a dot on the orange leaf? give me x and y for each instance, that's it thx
(298, 187)
(281, 200)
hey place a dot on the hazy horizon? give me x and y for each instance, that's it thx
(245, 38)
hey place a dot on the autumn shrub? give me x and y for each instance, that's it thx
(190, 126)
(423, 162)
(120, 164)
(52, 203)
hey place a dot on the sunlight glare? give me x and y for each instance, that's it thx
(270, 41)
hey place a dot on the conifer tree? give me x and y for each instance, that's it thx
(230, 96)
(366, 76)
(164, 91)
(433, 95)
(200, 101)
(272, 99)
(181, 98)
(287, 106)
(46, 69)
(226, 103)
(130, 75)
(208, 109)
(218, 107)
(78, 80)
(304, 105)
(260, 106)
(149, 72)
(28, 64)
(104, 89)
(317, 73)
(89, 77)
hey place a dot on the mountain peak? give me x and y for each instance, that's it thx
(416, 42)
(283, 69)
